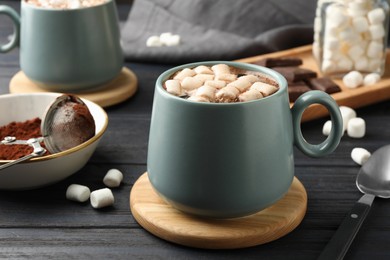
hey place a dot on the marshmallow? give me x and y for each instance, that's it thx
(184, 73)
(327, 128)
(250, 78)
(241, 84)
(225, 77)
(347, 114)
(360, 24)
(353, 79)
(377, 31)
(78, 193)
(153, 41)
(102, 198)
(360, 155)
(215, 83)
(164, 37)
(203, 70)
(206, 91)
(376, 16)
(204, 77)
(173, 40)
(227, 93)
(361, 64)
(264, 88)
(221, 69)
(113, 178)
(249, 95)
(371, 79)
(190, 83)
(356, 127)
(173, 86)
(375, 49)
(198, 99)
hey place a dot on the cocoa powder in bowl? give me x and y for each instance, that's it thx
(22, 131)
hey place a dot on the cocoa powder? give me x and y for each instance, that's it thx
(22, 131)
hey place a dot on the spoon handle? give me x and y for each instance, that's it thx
(342, 239)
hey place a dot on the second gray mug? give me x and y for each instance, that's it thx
(66, 50)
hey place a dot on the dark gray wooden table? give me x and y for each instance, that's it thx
(42, 224)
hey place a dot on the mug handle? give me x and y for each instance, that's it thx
(332, 141)
(16, 20)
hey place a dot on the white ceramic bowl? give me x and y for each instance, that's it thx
(42, 171)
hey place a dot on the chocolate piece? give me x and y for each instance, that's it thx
(296, 89)
(294, 74)
(279, 62)
(324, 84)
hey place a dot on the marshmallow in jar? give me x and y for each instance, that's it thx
(351, 35)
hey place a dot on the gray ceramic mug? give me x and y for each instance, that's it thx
(230, 160)
(64, 50)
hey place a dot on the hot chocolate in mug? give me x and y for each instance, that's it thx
(67, 49)
(225, 160)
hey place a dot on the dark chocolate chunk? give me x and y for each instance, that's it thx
(294, 74)
(279, 62)
(324, 84)
(296, 89)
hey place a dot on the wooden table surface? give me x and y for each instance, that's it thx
(42, 224)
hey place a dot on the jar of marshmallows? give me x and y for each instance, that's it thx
(351, 35)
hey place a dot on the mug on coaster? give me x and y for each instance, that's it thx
(225, 160)
(67, 49)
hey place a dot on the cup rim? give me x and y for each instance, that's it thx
(25, 4)
(282, 82)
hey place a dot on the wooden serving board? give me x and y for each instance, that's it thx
(354, 98)
(119, 89)
(162, 220)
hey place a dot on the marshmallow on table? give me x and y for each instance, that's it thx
(371, 79)
(102, 198)
(347, 114)
(77, 192)
(360, 155)
(356, 127)
(327, 128)
(353, 79)
(113, 178)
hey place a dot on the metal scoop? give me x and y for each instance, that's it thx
(62, 129)
(374, 181)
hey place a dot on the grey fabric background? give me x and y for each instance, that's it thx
(216, 29)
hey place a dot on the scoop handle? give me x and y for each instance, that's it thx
(345, 234)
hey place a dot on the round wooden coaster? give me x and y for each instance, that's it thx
(116, 91)
(162, 220)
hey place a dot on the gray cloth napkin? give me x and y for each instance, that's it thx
(216, 29)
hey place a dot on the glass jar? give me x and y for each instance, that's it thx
(351, 35)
